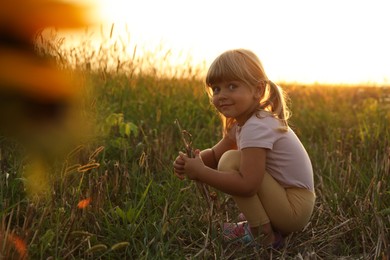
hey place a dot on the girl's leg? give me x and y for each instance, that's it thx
(287, 209)
(251, 207)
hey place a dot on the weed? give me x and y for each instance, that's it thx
(115, 196)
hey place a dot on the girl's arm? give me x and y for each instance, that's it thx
(211, 156)
(241, 182)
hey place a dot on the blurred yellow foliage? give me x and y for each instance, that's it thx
(37, 97)
(37, 179)
(26, 17)
(20, 67)
(34, 91)
(39, 79)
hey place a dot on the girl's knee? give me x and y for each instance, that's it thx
(230, 160)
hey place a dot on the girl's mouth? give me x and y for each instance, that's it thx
(224, 105)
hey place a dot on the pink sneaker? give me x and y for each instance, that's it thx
(241, 217)
(237, 232)
(234, 231)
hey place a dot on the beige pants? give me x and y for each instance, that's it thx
(287, 209)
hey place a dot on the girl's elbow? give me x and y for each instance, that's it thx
(249, 191)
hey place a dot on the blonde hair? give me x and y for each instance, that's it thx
(243, 65)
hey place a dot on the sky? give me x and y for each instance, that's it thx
(330, 41)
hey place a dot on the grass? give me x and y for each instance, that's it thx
(139, 210)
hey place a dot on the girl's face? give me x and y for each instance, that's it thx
(235, 99)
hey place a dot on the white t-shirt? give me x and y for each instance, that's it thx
(286, 160)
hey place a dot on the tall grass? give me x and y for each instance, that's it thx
(139, 210)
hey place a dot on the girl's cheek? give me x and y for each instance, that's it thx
(214, 101)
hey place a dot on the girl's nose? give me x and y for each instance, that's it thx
(221, 98)
(222, 95)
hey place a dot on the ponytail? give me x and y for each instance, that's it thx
(275, 103)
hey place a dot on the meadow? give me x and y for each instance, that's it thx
(114, 195)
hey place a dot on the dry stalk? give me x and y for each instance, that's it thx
(187, 141)
(202, 187)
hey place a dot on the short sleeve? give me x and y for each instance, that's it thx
(259, 132)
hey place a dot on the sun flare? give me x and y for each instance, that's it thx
(115, 11)
(302, 41)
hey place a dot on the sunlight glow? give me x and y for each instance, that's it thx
(304, 41)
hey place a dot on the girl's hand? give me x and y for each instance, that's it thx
(192, 166)
(178, 168)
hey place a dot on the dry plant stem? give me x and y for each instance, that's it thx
(37, 228)
(77, 247)
(7, 231)
(190, 153)
(203, 188)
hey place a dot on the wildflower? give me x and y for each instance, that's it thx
(19, 244)
(84, 203)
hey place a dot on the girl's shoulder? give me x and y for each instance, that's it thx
(263, 118)
(265, 122)
(258, 131)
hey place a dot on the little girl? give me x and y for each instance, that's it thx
(259, 161)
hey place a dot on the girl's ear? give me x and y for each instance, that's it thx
(259, 91)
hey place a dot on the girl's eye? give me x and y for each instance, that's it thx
(215, 89)
(232, 87)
